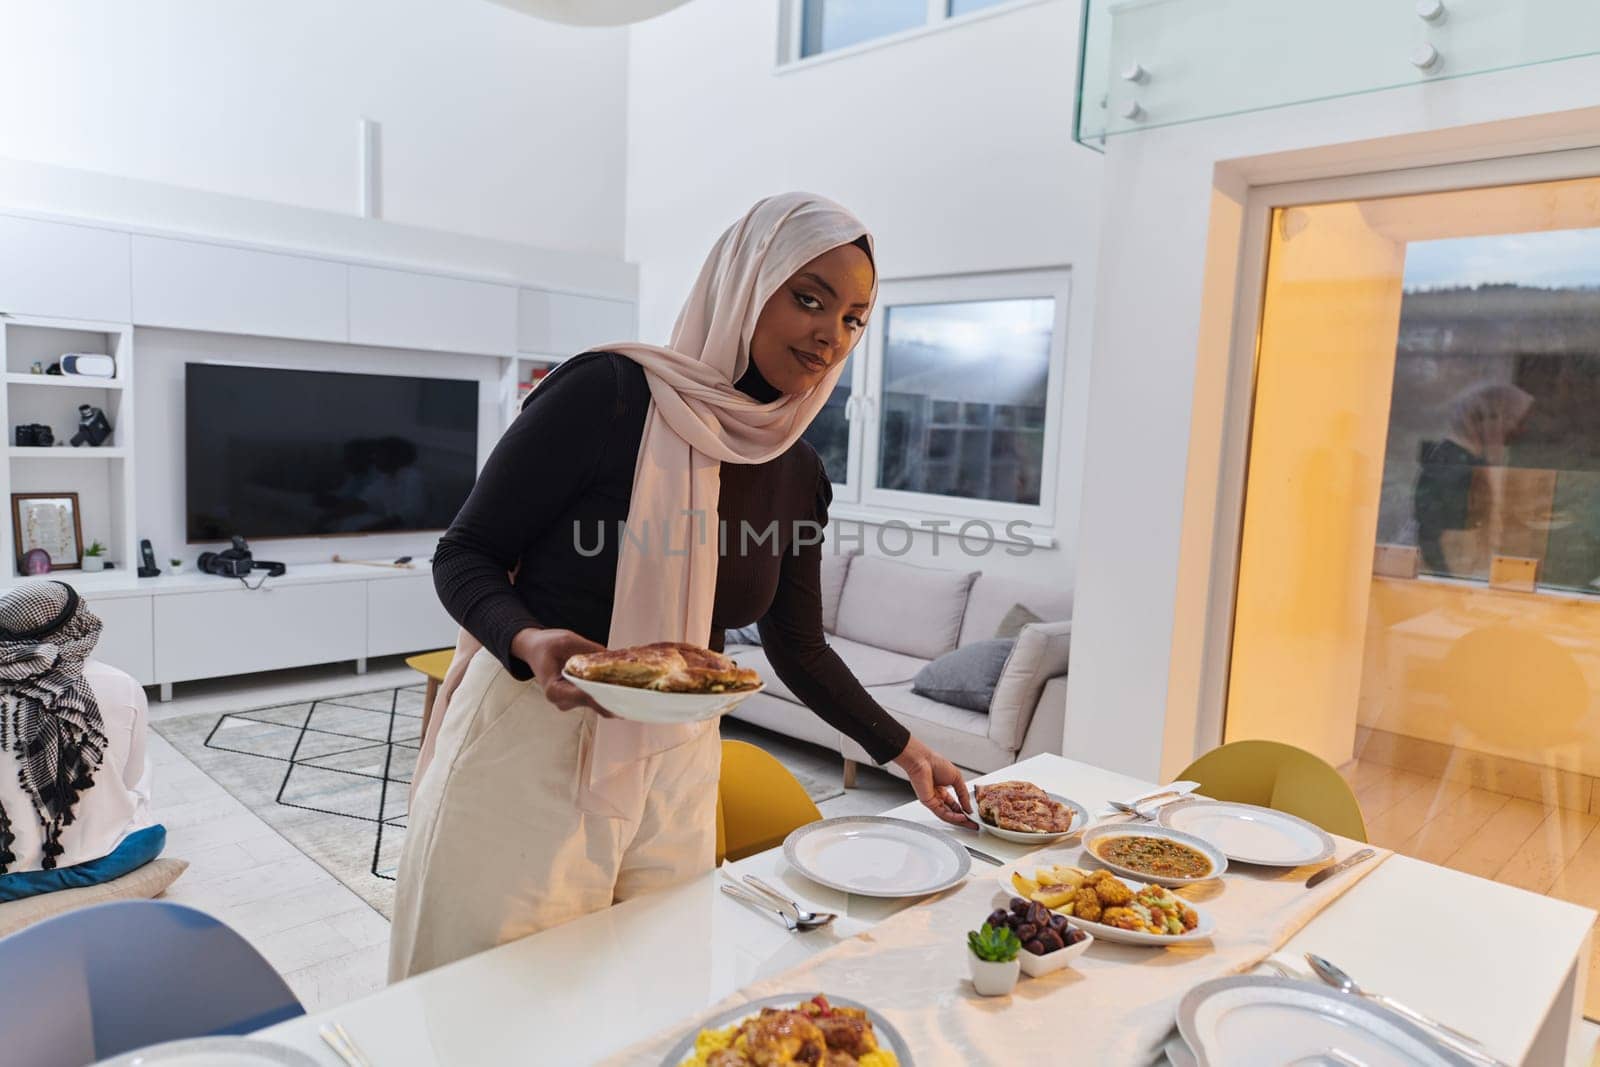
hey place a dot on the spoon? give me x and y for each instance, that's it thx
(807, 920)
(1463, 1043)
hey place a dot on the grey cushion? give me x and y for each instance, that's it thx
(967, 676)
(915, 611)
(744, 635)
(1015, 620)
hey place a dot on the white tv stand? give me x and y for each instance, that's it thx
(185, 627)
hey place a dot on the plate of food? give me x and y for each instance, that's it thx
(825, 1031)
(665, 682)
(1246, 833)
(1026, 814)
(1154, 853)
(1111, 909)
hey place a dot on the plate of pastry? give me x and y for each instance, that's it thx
(1026, 814)
(665, 682)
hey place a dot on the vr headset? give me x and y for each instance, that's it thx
(237, 562)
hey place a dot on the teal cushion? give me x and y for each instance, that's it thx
(136, 850)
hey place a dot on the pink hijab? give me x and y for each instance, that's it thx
(697, 421)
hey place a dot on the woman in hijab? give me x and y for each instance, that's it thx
(1484, 421)
(538, 807)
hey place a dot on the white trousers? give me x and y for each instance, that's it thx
(497, 847)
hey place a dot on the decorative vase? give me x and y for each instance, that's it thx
(93, 563)
(992, 979)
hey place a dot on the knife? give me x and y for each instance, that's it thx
(984, 856)
(1343, 865)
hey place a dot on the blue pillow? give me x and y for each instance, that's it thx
(136, 850)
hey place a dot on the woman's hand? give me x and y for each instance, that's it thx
(940, 785)
(546, 652)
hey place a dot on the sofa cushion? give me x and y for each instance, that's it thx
(871, 666)
(835, 569)
(1018, 617)
(965, 677)
(135, 850)
(912, 610)
(1042, 652)
(151, 880)
(993, 597)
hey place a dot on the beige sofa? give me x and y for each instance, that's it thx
(886, 619)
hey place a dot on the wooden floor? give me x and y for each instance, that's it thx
(1526, 843)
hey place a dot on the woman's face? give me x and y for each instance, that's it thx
(814, 319)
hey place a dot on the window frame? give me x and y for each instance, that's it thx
(858, 488)
(791, 30)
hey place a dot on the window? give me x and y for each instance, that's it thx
(830, 24)
(813, 27)
(950, 405)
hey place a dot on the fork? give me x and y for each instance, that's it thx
(739, 892)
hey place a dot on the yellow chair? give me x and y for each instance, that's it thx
(434, 665)
(758, 802)
(1282, 777)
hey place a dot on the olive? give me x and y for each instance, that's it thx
(1027, 932)
(1035, 947)
(1051, 940)
(998, 917)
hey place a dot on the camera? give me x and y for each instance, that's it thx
(34, 435)
(93, 427)
(237, 562)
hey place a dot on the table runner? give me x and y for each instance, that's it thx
(1113, 1005)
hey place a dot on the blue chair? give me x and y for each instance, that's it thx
(102, 981)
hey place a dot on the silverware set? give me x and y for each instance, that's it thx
(339, 1039)
(758, 893)
(1332, 975)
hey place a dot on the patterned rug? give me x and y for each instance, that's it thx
(332, 776)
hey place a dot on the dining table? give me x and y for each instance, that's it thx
(1502, 964)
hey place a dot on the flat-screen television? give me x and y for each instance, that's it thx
(273, 452)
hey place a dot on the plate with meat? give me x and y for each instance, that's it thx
(817, 1031)
(1133, 913)
(665, 682)
(1026, 814)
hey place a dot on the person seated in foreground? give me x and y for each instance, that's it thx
(74, 784)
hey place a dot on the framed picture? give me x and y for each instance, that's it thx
(48, 521)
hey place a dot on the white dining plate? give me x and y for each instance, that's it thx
(213, 1052)
(875, 856)
(888, 1037)
(1204, 928)
(649, 705)
(1258, 1021)
(1080, 819)
(1246, 833)
(1099, 834)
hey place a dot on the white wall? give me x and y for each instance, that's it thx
(494, 124)
(1167, 287)
(954, 146)
(160, 356)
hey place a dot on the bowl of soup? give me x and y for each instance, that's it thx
(1154, 853)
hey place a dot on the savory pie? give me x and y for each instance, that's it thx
(667, 667)
(1023, 807)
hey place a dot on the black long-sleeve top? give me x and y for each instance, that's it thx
(551, 498)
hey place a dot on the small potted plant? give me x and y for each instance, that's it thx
(993, 957)
(176, 565)
(94, 557)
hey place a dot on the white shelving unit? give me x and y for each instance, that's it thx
(103, 477)
(518, 370)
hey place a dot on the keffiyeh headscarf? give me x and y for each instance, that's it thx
(49, 720)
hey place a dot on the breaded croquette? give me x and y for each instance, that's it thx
(1086, 904)
(1187, 916)
(1112, 893)
(1122, 919)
